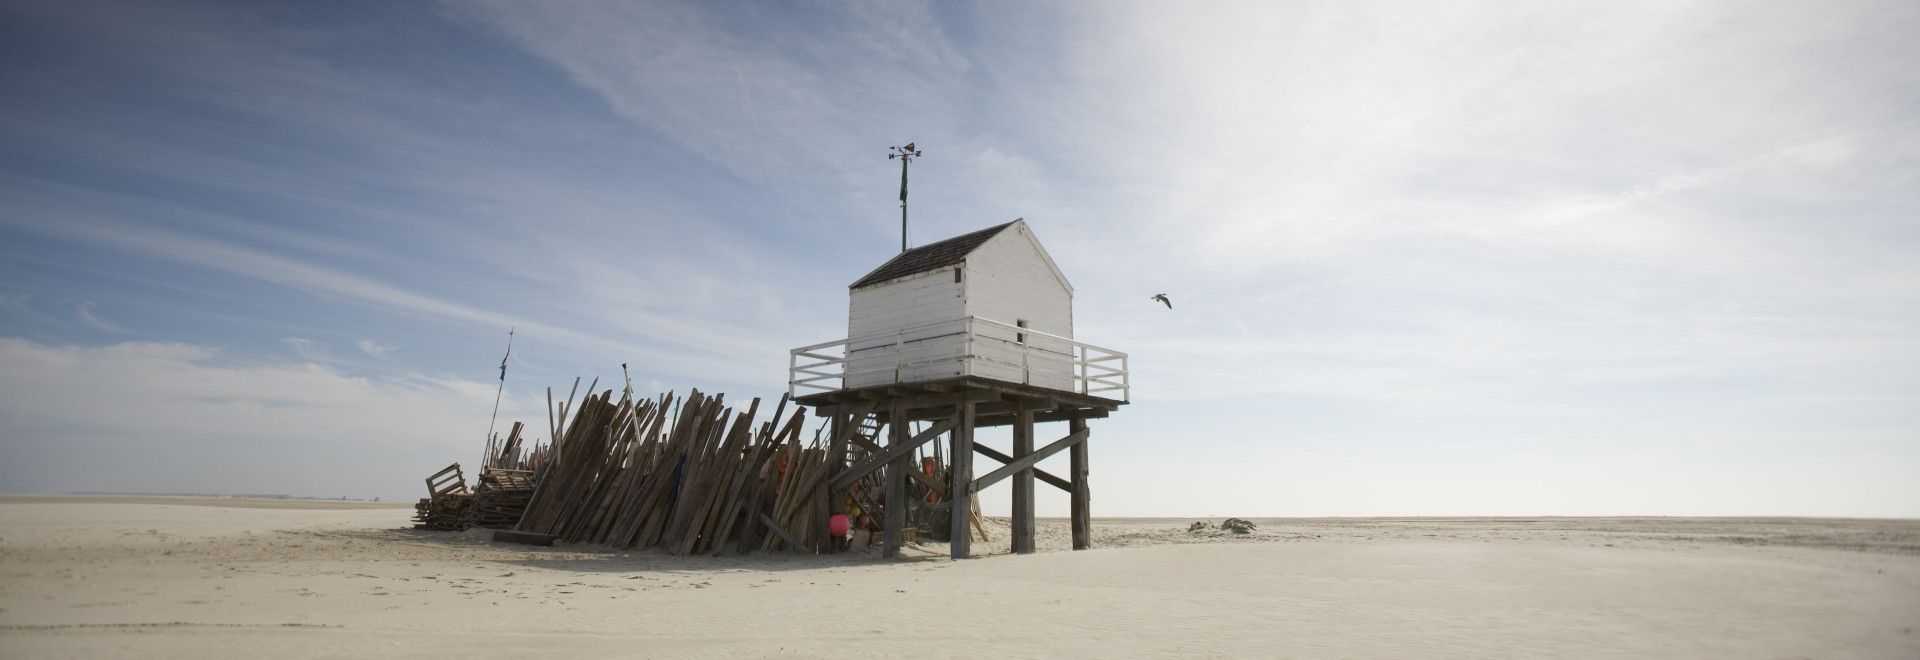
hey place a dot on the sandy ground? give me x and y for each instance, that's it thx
(177, 577)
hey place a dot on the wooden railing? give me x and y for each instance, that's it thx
(971, 346)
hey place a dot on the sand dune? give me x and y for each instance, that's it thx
(118, 576)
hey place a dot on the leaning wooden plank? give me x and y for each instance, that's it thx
(573, 470)
(657, 506)
(615, 475)
(573, 526)
(595, 500)
(747, 476)
(739, 460)
(721, 470)
(642, 467)
(693, 477)
(730, 468)
(792, 542)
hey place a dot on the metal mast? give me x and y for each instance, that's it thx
(906, 155)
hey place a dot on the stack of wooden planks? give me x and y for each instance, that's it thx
(500, 498)
(445, 507)
(691, 476)
(508, 453)
(447, 513)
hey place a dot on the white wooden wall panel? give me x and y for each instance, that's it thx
(904, 303)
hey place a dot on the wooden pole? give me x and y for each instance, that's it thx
(836, 459)
(960, 483)
(896, 492)
(1081, 498)
(1023, 482)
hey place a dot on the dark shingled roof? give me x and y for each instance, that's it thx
(930, 256)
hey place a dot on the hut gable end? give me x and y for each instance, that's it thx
(1012, 279)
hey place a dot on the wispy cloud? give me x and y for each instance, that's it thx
(806, 111)
(373, 348)
(19, 305)
(84, 310)
(319, 279)
(308, 349)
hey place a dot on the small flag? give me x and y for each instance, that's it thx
(503, 358)
(903, 183)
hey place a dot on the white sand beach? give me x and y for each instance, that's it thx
(193, 577)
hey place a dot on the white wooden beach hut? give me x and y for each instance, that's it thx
(989, 304)
(970, 332)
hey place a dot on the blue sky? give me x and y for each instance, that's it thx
(1488, 258)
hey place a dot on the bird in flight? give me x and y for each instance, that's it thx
(1162, 298)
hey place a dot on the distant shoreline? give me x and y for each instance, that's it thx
(254, 501)
(231, 501)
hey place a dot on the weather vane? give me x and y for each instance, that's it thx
(906, 155)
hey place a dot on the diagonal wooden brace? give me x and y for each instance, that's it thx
(847, 429)
(1043, 475)
(891, 453)
(1025, 462)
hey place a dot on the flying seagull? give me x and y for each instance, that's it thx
(1163, 299)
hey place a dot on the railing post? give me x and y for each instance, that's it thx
(967, 349)
(793, 366)
(1026, 370)
(1080, 365)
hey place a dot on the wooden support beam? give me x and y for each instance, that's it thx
(849, 429)
(899, 448)
(926, 405)
(1081, 504)
(1082, 414)
(836, 461)
(1028, 461)
(862, 442)
(960, 480)
(1022, 511)
(1015, 404)
(1038, 473)
(896, 490)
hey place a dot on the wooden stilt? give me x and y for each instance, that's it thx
(960, 483)
(1081, 499)
(836, 460)
(1023, 482)
(896, 474)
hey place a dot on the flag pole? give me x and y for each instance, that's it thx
(503, 385)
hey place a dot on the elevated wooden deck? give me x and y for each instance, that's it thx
(996, 403)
